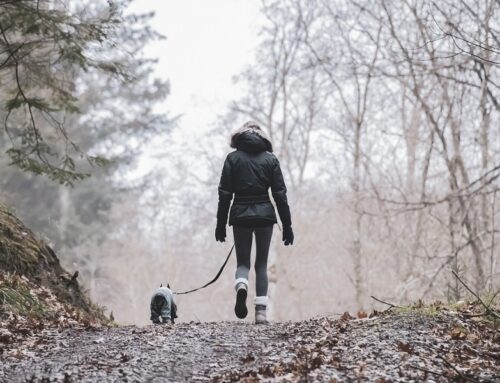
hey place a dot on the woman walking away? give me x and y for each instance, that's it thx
(248, 173)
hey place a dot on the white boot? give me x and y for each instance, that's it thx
(241, 287)
(261, 310)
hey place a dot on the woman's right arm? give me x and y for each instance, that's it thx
(225, 197)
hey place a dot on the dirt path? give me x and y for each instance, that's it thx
(390, 348)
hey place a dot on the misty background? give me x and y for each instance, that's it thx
(384, 116)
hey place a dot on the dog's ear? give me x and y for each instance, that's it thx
(168, 285)
(161, 284)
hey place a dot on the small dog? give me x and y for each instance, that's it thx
(163, 306)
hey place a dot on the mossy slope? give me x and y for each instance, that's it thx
(33, 285)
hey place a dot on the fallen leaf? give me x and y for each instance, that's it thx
(248, 358)
(458, 333)
(374, 313)
(405, 347)
(346, 316)
(5, 336)
(362, 314)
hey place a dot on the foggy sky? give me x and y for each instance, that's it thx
(208, 42)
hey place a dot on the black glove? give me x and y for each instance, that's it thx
(220, 233)
(288, 235)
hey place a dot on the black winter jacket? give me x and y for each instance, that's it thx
(248, 173)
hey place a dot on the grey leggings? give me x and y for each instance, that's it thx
(243, 245)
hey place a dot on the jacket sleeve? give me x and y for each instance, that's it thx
(278, 189)
(225, 192)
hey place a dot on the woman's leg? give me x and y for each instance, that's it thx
(243, 245)
(263, 240)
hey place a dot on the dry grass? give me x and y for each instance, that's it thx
(16, 297)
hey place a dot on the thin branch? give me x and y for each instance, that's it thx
(465, 377)
(391, 306)
(487, 307)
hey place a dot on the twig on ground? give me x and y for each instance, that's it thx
(465, 377)
(474, 315)
(490, 354)
(487, 307)
(391, 306)
(428, 371)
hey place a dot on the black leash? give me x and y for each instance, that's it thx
(213, 280)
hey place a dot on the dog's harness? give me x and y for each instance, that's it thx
(213, 280)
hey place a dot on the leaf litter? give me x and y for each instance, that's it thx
(381, 347)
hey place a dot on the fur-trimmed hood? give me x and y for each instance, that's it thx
(251, 139)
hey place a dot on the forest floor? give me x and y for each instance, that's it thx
(423, 344)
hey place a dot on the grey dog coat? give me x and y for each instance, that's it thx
(163, 306)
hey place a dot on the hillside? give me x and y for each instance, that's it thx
(35, 291)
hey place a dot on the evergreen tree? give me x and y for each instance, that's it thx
(116, 119)
(44, 46)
